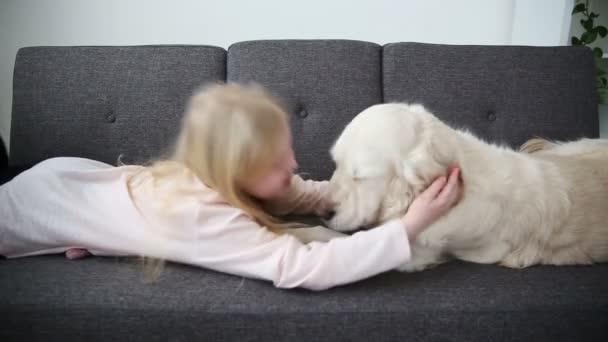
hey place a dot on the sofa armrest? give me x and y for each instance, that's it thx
(7, 172)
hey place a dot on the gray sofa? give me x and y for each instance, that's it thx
(101, 102)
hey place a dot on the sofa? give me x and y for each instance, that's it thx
(102, 102)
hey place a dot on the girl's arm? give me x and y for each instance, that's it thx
(303, 197)
(234, 243)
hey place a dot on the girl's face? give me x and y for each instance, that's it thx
(276, 181)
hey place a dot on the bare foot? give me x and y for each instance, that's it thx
(76, 253)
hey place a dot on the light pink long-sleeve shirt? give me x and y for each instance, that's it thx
(63, 203)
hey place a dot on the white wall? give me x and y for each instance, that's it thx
(133, 22)
(543, 22)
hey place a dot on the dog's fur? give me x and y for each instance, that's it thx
(548, 205)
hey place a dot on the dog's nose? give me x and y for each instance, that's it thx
(330, 214)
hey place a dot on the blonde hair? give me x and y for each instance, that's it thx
(230, 133)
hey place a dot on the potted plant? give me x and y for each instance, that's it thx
(593, 33)
(590, 34)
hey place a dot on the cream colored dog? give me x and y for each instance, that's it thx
(517, 209)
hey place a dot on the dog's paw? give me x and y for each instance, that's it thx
(515, 260)
(409, 267)
(422, 258)
(416, 266)
(310, 234)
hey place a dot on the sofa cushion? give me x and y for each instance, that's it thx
(106, 299)
(323, 83)
(505, 94)
(101, 102)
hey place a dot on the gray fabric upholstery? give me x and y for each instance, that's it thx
(100, 102)
(322, 83)
(106, 299)
(504, 94)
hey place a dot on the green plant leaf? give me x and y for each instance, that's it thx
(604, 82)
(597, 52)
(578, 8)
(588, 37)
(576, 41)
(587, 24)
(593, 15)
(600, 72)
(601, 30)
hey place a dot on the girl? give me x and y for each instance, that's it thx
(209, 204)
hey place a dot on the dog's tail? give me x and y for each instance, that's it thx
(536, 144)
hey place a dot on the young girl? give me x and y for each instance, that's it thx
(209, 204)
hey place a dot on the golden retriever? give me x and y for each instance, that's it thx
(547, 206)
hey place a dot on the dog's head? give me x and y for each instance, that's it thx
(384, 158)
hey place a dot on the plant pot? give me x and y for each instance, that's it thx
(603, 113)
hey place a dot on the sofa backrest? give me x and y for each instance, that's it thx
(505, 94)
(102, 102)
(323, 83)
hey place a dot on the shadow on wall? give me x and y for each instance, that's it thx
(3, 155)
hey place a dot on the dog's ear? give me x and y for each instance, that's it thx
(440, 159)
(424, 155)
(420, 169)
(397, 199)
(422, 165)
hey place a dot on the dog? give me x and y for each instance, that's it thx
(545, 204)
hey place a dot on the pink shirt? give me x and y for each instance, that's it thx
(63, 203)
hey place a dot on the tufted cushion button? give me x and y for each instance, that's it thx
(302, 113)
(111, 118)
(491, 116)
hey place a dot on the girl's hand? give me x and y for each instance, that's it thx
(435, 201)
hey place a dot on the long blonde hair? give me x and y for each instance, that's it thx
(229, 133)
